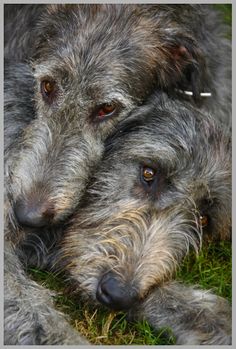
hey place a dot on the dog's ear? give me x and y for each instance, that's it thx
(187, 59)
(180, 48)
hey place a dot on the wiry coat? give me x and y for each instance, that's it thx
(29, 314)
(53, 145)
(195, 316)
(137, 233)
(30, 317)
(94, 56)
(130, 235)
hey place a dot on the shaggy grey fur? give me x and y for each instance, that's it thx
(196, 317)
(29, 314)
(54, 141)
(91, 56)
(132, 233)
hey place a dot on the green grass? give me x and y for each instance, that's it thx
(211, 269)
(99, 325)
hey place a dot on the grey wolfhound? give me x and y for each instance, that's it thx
(163, 186)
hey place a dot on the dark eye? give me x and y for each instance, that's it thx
(203, 220)
(148, 174)
(48, 89)
(106, 109)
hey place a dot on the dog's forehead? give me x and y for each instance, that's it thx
(92, 32)
(145, 146)
(108, 44)
(152, 134)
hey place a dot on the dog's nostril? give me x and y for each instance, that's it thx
(113, 293)
(33, 214)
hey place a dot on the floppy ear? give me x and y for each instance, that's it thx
(187, 59)
(178, 34)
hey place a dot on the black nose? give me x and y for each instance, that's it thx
(114, 293)
(33, 213)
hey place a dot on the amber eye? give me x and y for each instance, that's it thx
(148, 174)
(47, 88)
(106, 109)
(203, 221)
